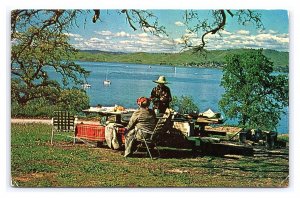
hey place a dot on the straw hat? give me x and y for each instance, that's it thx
(161, 80)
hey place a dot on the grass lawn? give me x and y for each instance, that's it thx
(35, 163)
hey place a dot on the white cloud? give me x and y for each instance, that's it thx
(179, 41)
(122, 34)
(123, 41)
(190, 35)
(225, 32)
(243, 32)
(283, 35)
(145, 43)
(146, 39)
(210, 35)
(262, 37)
(143, 35)
(179, 23)
(243, 39)
(96, 40)
(104, 33)
(78, 39)
(273, 32)
(272, 38)
(126, 42)
(73, 35)
(167, 42)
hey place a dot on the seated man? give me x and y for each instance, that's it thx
(143, 118)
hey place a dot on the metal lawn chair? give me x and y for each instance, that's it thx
(63, 121)
(151, 137)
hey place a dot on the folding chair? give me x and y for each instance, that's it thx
(150, 137)
(63, 121)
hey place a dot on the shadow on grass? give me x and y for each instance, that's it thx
(178, 153)
(166, 153)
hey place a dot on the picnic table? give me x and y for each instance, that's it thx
(189, 126)
(202, 122)
(194, 126)
(119, 117)
(111, 114)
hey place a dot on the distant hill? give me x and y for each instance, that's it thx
(278, 58)
(212, 58)
(100, 51)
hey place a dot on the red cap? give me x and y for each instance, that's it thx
(143, 101)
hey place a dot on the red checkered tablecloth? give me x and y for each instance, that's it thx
(95, 132)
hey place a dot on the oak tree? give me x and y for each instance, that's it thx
(254, 94)
(39, 45)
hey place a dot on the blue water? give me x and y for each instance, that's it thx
(130, 81)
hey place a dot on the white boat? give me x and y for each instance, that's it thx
(106, 81)
(86, 85)
(175, 71)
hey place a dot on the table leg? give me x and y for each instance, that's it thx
(201, 129)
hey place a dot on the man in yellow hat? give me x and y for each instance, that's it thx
(161, 95)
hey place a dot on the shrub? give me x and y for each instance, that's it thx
(184, 104)
(72, 100)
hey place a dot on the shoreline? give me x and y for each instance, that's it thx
(211, 59)
(227, 129)
(45, 121)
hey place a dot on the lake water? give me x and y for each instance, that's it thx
(130, 81)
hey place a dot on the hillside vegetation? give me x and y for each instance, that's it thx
(213, 58)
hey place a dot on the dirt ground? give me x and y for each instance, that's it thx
(224, 128)
(46, 121)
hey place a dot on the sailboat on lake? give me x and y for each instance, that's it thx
(175, 71)
(106, 81)
(86, 86)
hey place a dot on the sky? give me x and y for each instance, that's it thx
(113, 33)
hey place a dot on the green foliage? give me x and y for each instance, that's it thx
(72, 100)
(184, 104)
(39, 46)
(253, 93)
(34, 108)
(283, 137)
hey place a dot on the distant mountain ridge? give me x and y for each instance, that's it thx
(100, 51)
(212, 58)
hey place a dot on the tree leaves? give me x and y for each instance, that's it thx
(254, 94)
(40, 43)
(184, 104)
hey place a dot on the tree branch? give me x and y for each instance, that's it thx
(96, 15)
(129, 19)
(212, 31)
